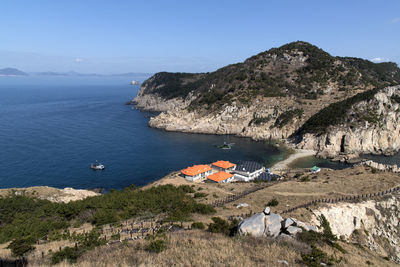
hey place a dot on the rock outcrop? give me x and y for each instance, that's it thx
(374, 224)
(372, 127)
(270, 224)
(274, 94)
(380, 166)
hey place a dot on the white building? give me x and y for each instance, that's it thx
(196, 172)
(248, 171)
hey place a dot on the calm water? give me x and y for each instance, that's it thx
(51, 129)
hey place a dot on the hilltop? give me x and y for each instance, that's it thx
(296, 92)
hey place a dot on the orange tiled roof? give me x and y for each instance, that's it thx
(219, 176)
(196, 169)
(224, 164)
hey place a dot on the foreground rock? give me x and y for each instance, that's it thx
(271, 225)
(374, 224)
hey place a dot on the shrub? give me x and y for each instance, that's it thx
(67, 253)
(198, 225)
(156, 246)
(316, 258)
(219, 225)
(305, 179)
(199, 195)
(273, 202)
(20, 246)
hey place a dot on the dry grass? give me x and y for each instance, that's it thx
(199, 248)
(195, 248)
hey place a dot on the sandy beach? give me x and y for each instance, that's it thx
(299, 153)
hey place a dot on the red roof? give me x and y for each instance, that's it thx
(224, 164)
(196, 169)
(219, 176)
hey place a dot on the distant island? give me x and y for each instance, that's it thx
(12, 72)
(17, 72)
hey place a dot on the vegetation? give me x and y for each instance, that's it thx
(85, 242)
(20, 246)
(287, 116)
(273, 202)
(273, 73)
(156, 246)
(333, 114)
(198, 225)
(25, 220)
(219, 225)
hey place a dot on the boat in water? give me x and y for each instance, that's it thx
(97, 166)
(134, 82)
(225, 146)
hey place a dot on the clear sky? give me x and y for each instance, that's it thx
(150, 36)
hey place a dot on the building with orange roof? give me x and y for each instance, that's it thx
(220, 177)
(222, 165)
(196, 172)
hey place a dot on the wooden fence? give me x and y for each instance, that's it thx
(232, 198)
(344, 199)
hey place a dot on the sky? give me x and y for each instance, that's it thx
(96, 36)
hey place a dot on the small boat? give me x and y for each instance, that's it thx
(225, 146)
(97, 166)
(134, 82)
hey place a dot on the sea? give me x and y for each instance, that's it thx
(53, 127)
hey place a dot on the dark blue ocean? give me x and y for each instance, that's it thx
(52, 128)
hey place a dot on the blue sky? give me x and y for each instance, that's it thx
(151, 36)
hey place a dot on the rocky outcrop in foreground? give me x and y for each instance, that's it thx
(373, 223)
(272, 225)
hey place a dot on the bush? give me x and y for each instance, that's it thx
(273, 202)
(199, 195)
(20, 246)
(156, 246)
(316, 258)
(198, 225)
(219, 225)
(305, 179)
(67, 253)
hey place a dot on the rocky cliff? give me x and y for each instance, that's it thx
(282, 94)
(374, 224)
(369, 126)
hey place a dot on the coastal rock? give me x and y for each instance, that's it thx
(373, 223)
(378, 134)
(253, 226)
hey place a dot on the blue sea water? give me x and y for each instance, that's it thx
(52, 128)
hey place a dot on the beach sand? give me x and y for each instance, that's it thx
(299, 153)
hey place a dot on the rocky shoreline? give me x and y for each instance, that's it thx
(341, 143)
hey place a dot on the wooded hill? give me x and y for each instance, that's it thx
(296, 69)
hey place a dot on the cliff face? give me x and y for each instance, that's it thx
(374, 224)
(286, 93)
(370, 126)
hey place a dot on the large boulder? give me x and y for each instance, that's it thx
(293, 230)
(254, 226)
(287, 222)
(306, 227)
(273, 224)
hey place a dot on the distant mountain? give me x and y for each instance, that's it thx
(73, 73)
(12, 72)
